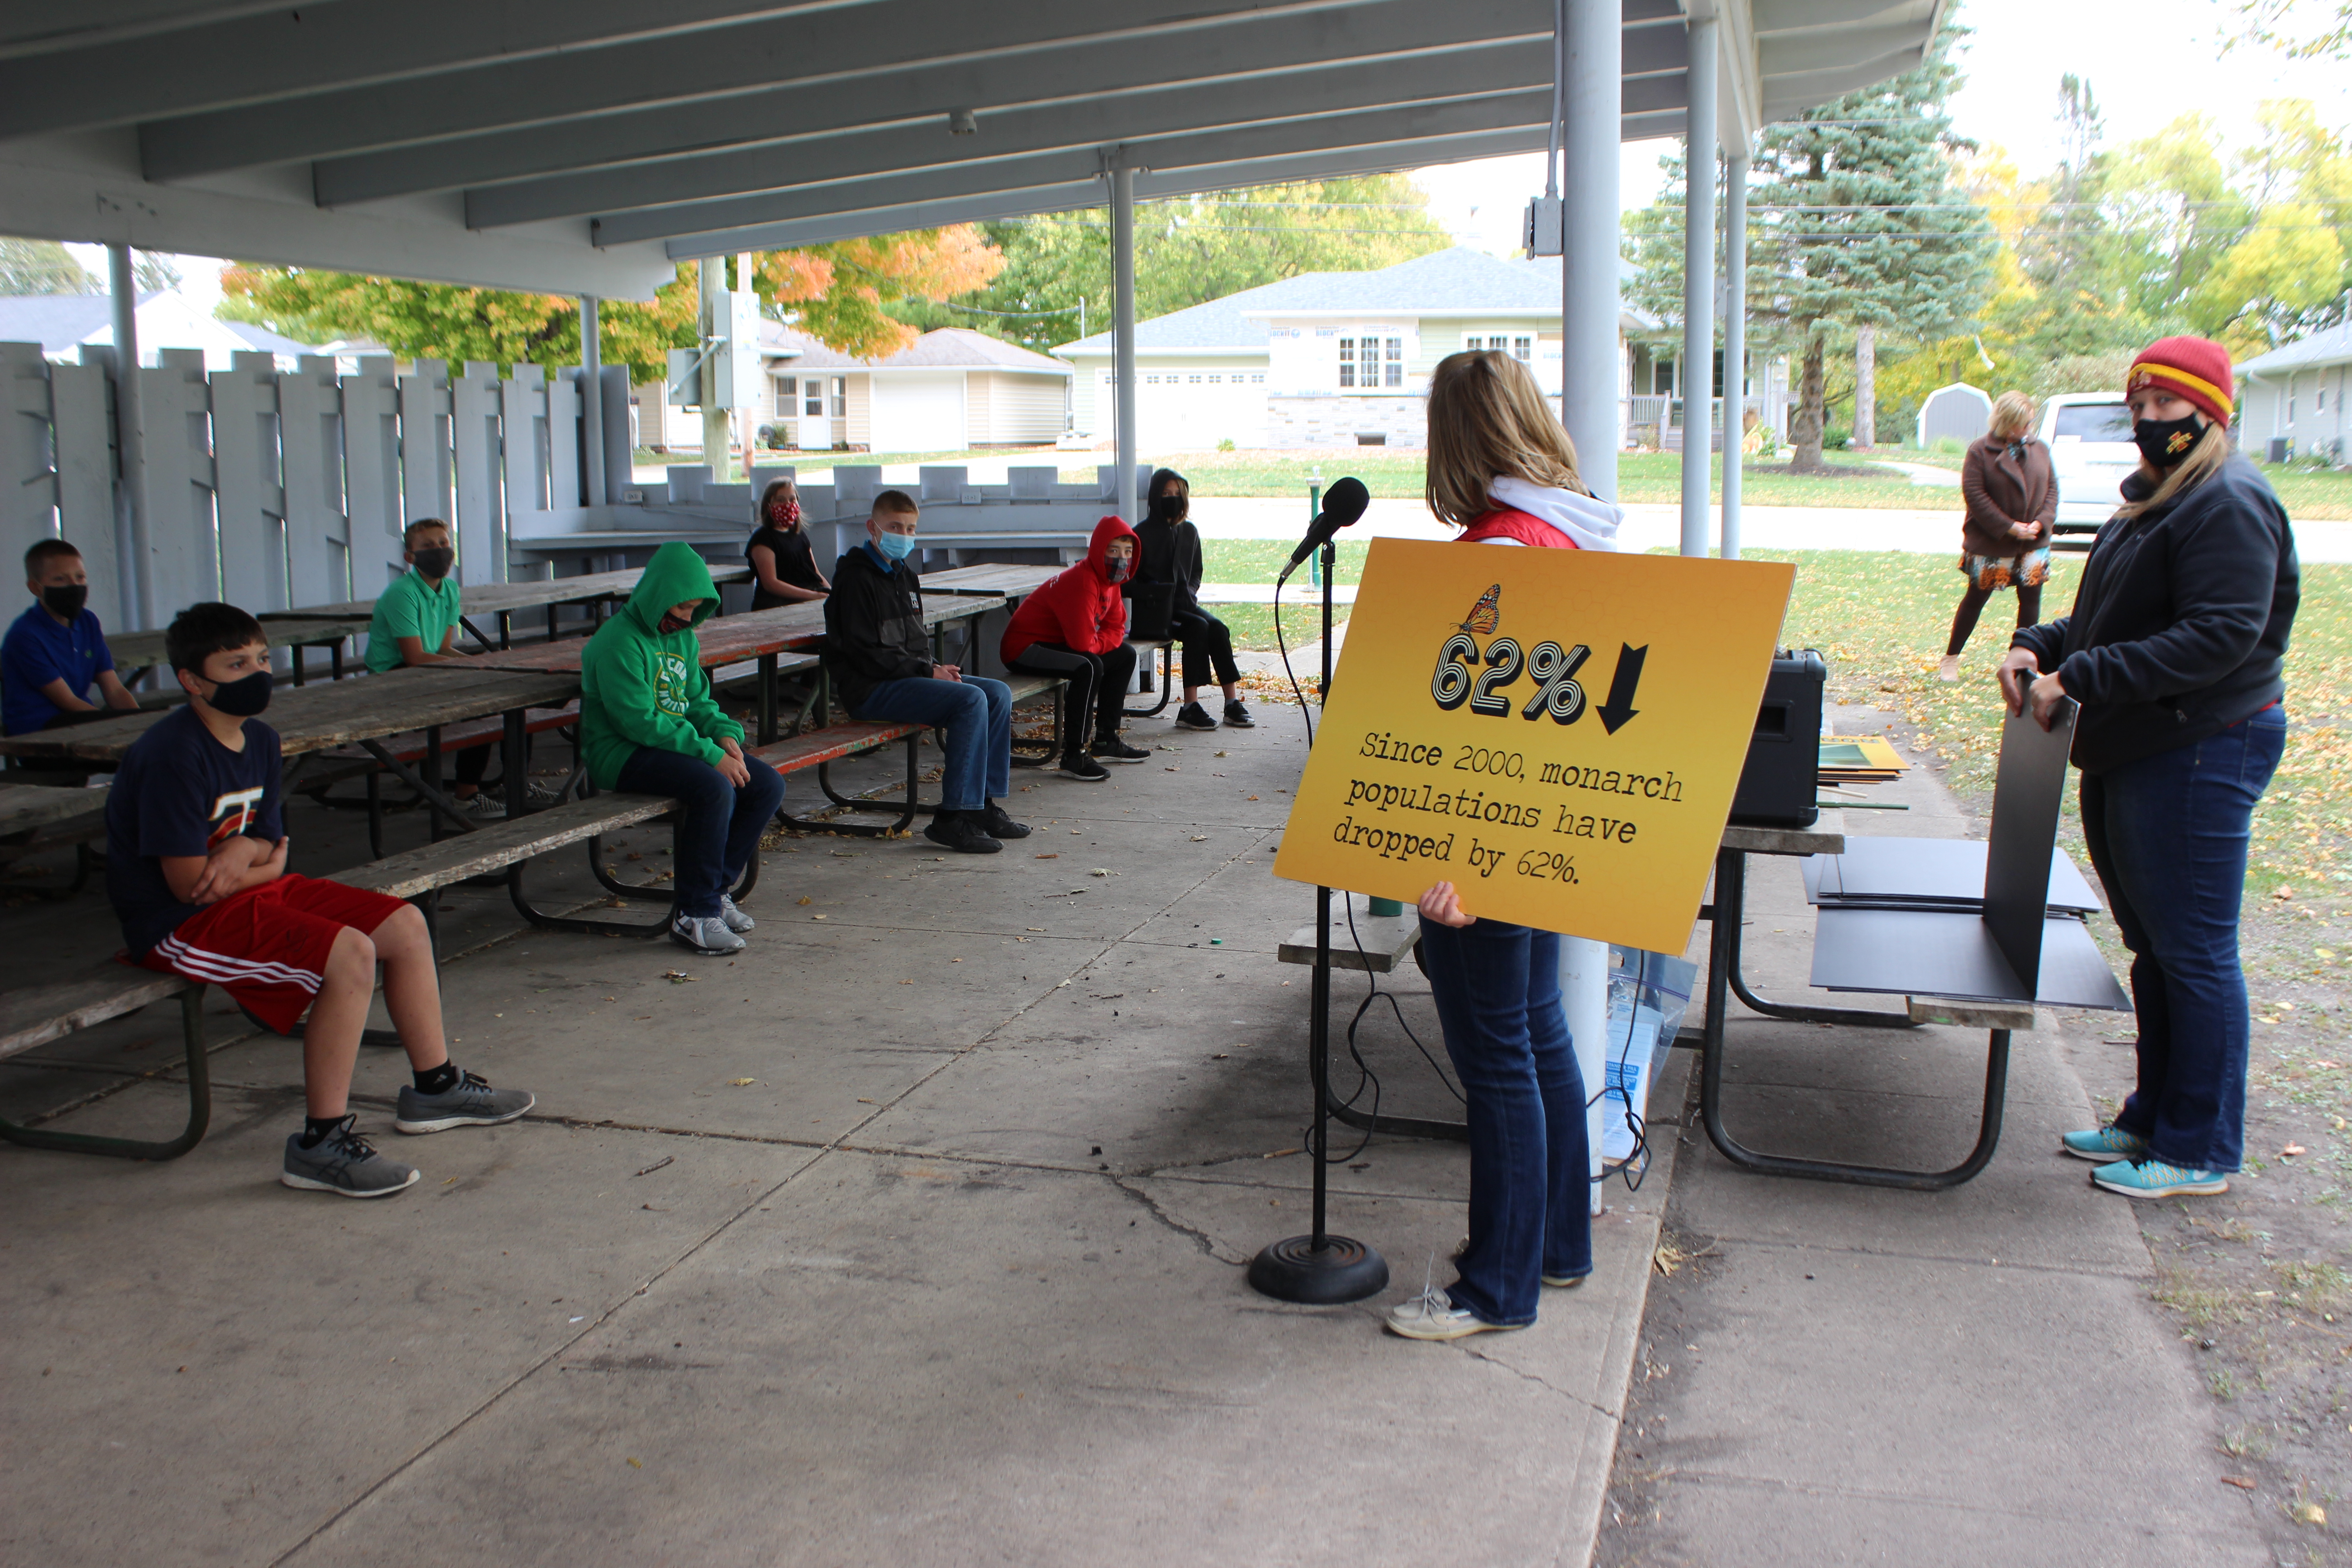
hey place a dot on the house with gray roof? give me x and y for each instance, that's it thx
(950, 388)
(1333, 359)
(63, 324)
(2291, 400)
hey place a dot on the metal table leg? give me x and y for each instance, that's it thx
(200, 1104)
(1731, 895)
(1722, 951)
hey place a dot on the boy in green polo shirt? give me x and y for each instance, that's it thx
(416, 622)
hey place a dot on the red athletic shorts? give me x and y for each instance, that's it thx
(267, 947)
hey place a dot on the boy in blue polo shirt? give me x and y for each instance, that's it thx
(416, 622)
(56, 650)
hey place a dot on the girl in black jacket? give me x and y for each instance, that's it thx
(2174, 649)
(1172, 555)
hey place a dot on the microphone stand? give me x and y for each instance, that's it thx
(1320, 1270)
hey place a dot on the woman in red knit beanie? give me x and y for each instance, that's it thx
(2174, 649)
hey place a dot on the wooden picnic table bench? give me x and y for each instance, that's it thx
(140, 651)
(35, 817)
(1010, 580)
(506, 600)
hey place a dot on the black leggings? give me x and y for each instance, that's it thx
(1972, 604)
(1208, 645)
(1096, 680)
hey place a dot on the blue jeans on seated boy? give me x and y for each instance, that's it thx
(2168, 835)
(1497, 992)
(976, 713)
(720, 831)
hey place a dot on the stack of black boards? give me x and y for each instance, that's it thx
(2001, 921)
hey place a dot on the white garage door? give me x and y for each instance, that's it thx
(1193, 410)
(918, 413)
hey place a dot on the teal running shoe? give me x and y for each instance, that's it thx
(2105, 1145)
(2154, 1179)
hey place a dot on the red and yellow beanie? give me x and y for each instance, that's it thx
(2195, 368)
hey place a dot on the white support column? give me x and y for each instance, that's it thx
(1697, 377)
(1592, 100)
(1122, 265)
(1735, 341)
(130, 450)
(591, 404)
(710, 278)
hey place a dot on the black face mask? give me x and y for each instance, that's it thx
(244, 698)
(65, 600)
(435, 563)
(1169, 508)
(676, 623)
(2164, 442)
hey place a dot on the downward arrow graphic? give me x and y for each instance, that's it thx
(1619, 709)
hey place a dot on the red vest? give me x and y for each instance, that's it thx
(1505, 523)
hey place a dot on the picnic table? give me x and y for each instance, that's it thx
(24, 807)
(505, 600)
(757, 635)
(141, 651)
(1006, 581)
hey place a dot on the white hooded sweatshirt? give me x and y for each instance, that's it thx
(1591, 523)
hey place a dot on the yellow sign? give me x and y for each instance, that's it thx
(1556, 732)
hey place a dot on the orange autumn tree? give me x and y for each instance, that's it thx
(834, 292)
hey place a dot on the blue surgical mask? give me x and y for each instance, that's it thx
(897, 546)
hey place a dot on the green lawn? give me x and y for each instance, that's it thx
(1642, 477)
(1880, 619)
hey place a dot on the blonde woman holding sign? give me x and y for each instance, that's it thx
(1503, 472)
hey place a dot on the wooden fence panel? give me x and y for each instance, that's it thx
(28, 487)
(481, 520)
(424, 469)
(250, 501)
(310, 441)
(184, 551)
(91, 511)
(372, 474)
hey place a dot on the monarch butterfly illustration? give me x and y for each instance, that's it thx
(1486, 614)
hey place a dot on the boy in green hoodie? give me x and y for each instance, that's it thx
(649, 725)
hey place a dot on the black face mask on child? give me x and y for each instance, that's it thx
(66, 599)
(434, 562)
(242, 699)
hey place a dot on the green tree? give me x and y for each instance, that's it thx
(43, 267)
(1188, 250)
(838, 293)
(1855, 220)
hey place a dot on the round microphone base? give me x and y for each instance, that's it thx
(1340, 1270)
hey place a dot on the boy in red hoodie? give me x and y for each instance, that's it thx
(1075, 626)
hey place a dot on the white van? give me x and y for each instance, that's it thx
(2089, 435)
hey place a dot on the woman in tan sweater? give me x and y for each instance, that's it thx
(2012, 499)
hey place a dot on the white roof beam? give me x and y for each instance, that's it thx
(1073, 123)
(760, 52)
(1410, 122)
(213, 61)
(1259, 46)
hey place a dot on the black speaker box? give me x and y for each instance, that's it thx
(1777, 786)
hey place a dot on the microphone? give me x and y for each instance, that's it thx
(1343, 503)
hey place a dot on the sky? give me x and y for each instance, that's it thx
(2147, 64)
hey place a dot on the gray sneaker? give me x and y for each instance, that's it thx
(469, 1102)
(345, 1164)
(737, 921)
(705, 934)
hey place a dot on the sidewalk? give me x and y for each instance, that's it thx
(1843, 1374)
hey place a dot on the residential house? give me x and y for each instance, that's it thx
(950, 389)
(2291, 400)
(63, 324)
(1335, 359)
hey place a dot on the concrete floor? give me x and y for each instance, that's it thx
(1849, 1374)
(914, 1235)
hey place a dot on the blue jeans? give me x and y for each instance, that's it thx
(976, 713)
(1498, 990)
(2168, 835)
(718, 826)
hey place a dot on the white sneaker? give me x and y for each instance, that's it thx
(705, 934)
(737, 921)
(1432, 1315)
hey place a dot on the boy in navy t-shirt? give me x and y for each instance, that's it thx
(197, 871)
(56, 650)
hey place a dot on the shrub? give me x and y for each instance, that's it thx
(1226, 445)
(1837, 437)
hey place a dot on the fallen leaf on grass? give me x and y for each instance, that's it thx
(2244, 1483)
(737, 1083)
(1253, 797)
(1055, 855)
(636, 1464)
(1102, 871)
(2291, 1151)
(658, 1165)
(2310, 1513)
(679, 977)
(1277, 1153)
(805, 899)
(1200, 839)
